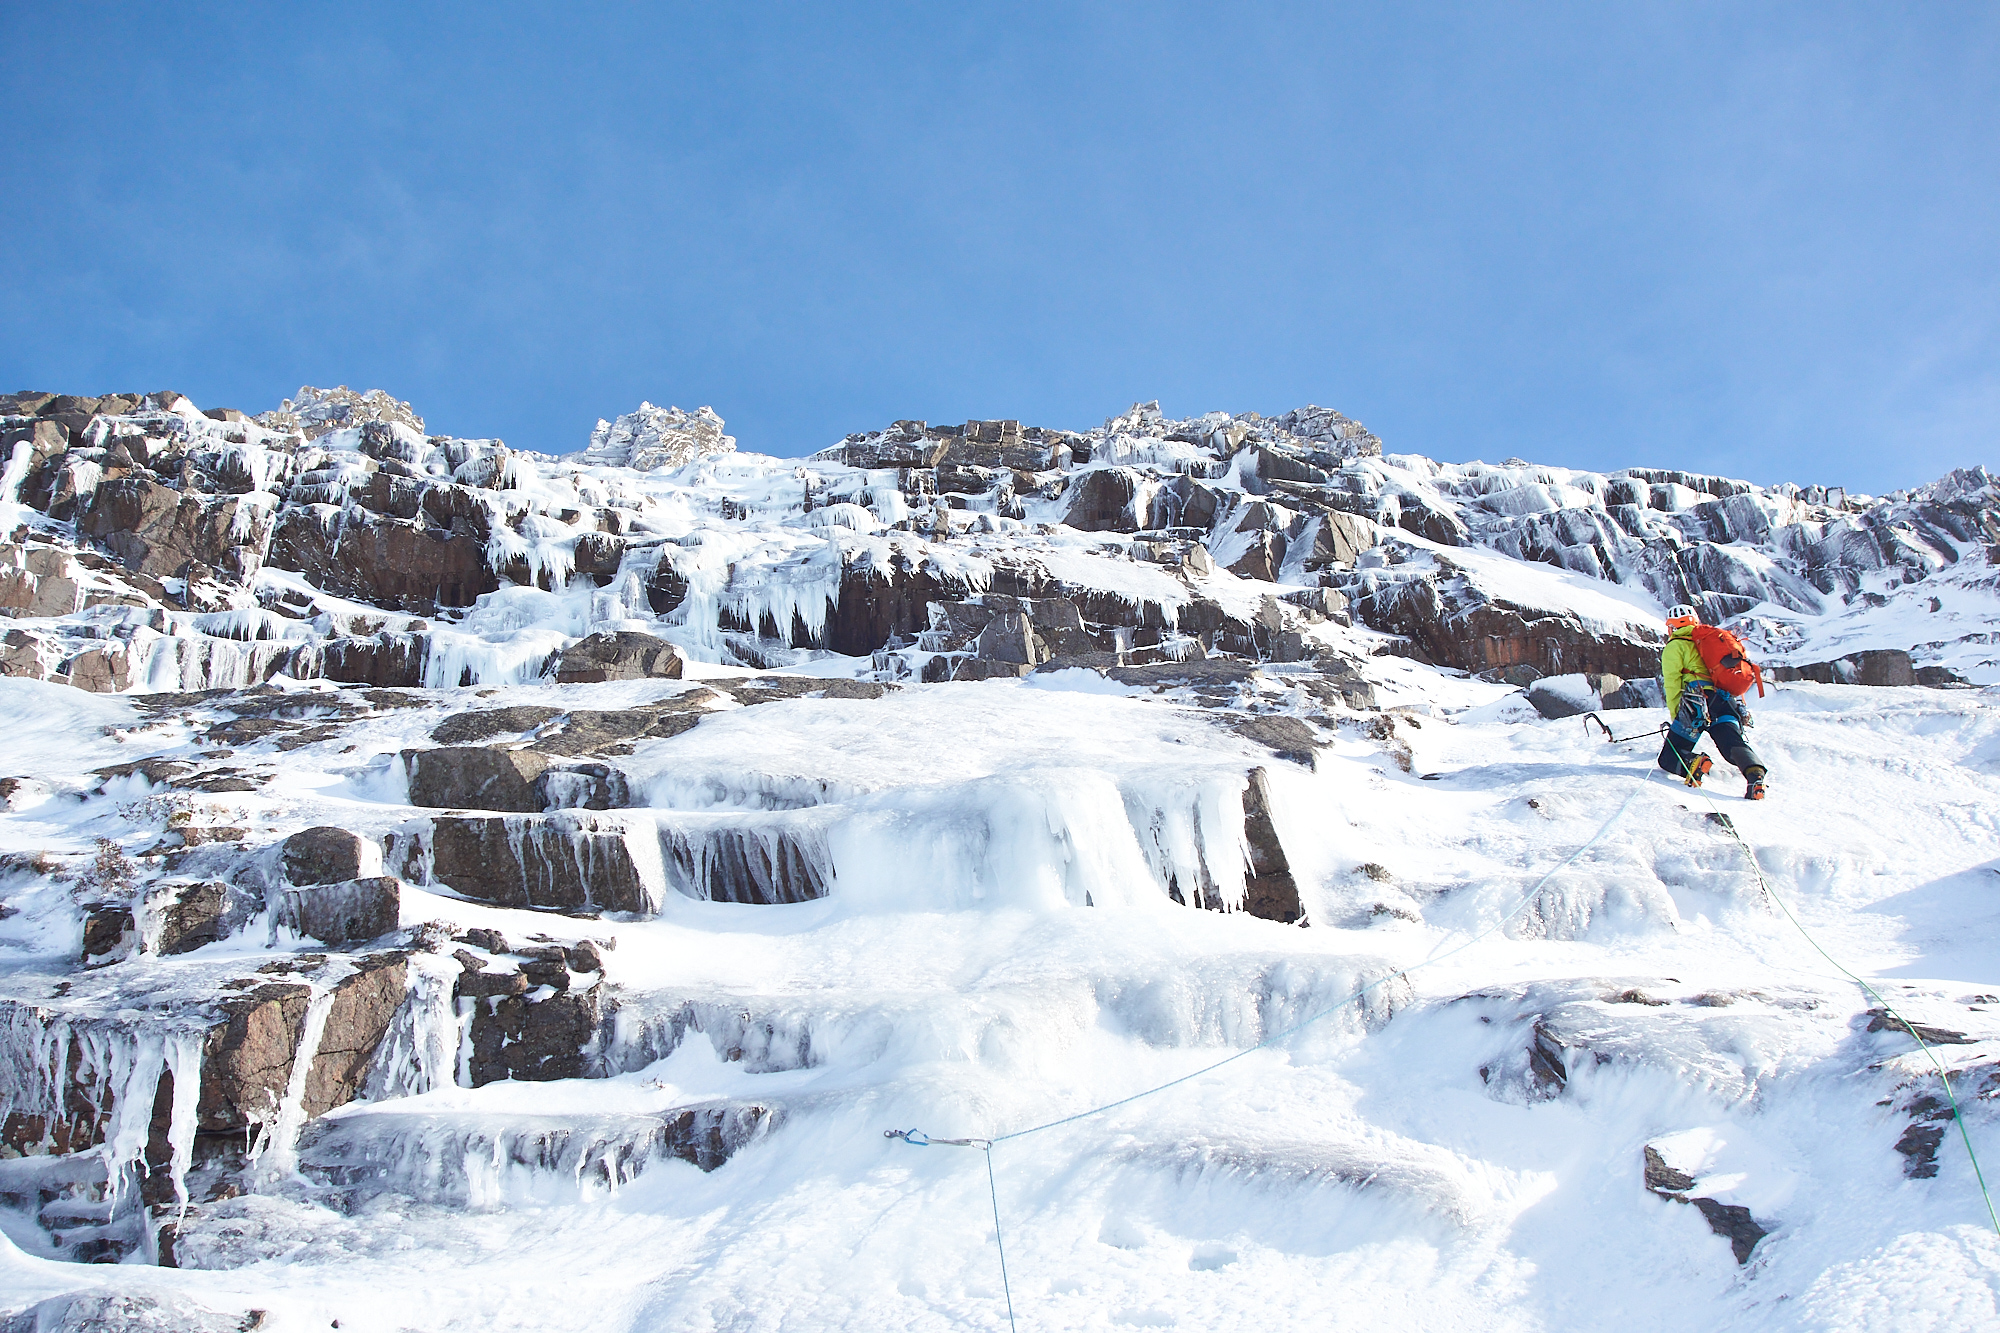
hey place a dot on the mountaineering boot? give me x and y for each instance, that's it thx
(1753, 787)
(1698, 769)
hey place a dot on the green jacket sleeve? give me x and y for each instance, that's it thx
(1679, 663)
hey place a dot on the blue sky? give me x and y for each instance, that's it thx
(1760, 239)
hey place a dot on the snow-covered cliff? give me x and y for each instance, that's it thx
(440, 880)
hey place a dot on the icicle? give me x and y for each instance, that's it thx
(421, 1050)
(276, 1152)
(17, 472)
(184, 1062)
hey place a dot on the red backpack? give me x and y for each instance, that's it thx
(1727, 660)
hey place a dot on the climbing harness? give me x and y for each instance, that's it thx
(918, 1139)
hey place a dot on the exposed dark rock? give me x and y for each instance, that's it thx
(363, 1006)
(1105, 500)
(545, 965)
(1262, 559)
(1003, 445)
(1664, 1179)
(771, 689)
(1881, 1020)
(347, 911)
(586, 731)
(1287, 736)
(476, 777)
(1453, 624)
(1731, 1221)
(907, 444)
(570, 861)
(1338, 539)
(330, 855)
(1734, 1223)
(952, 666)
(156, 530)
(1008, 637)
(708, 1136)
(1884, 666)
(959, 479)
(1940, 677)
(247, 1058)
(1548, 1067)
(387, 659)
(1210, 673)
(1919, 1146)
(479, 937)
(156, 770)
(533, 1039)
(878, 603)
(484, 724)
(598, 555)
(483, 983)
(390, 562)
(622, 655)
(199, 914)
(584, 956)
(109, 930)
(1270, 891)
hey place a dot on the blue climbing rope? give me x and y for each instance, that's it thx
(916, 1138)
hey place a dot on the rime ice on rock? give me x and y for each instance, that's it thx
(653, 438)
(317, 412)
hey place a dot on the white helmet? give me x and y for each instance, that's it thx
(1682, 614)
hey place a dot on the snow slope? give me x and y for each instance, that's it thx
(1360, 1173)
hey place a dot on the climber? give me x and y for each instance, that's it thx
(1697, 703)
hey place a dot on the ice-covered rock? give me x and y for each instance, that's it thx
(316, 412)
(350, 911)
(653, 438)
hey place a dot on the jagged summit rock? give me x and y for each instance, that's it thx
(656, 437)
(316, 412)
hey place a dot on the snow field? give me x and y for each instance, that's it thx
(1361, 1175)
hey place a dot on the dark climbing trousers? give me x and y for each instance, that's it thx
(1704, 708)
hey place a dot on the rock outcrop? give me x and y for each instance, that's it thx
(571, 861)
(621, 655)
(653, 438)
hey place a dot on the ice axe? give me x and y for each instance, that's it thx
(1589, 718)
